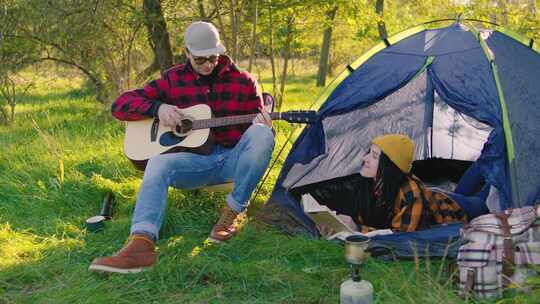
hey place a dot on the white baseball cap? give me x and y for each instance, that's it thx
(202, 39)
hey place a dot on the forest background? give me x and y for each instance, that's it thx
(119, 44)
(62, 64)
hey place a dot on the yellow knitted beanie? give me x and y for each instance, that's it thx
(399, 148)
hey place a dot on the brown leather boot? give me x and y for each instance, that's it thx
(138, 255)
(227, 225)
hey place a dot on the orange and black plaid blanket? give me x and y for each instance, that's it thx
(417, 207)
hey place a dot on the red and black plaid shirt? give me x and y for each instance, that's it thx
(232, 92)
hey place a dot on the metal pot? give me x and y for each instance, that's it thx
(355, 246)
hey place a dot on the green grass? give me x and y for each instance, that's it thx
(45, 252)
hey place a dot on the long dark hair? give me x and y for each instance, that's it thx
(376, 201)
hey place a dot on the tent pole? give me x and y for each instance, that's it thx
(510, 151)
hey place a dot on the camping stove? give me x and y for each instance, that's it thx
(355, 247)
(355, 290)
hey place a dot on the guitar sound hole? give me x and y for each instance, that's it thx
(185, 127)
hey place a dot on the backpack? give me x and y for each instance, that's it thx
(499, 250)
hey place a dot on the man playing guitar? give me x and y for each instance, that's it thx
(241, 152)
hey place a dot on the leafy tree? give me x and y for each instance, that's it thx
(94, 37)
(117, 44)
(158, 38)
(12, 90)
(325, 48)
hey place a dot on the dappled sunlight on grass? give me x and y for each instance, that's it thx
(126, 188)
(26, 247)
(197, 249)
(174, 241)
(47, 78)
(195, 252)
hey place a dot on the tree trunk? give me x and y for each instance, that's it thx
(128, 55)
(286, 55)
(222, 32)
(149, 70)
(504, 12)
(158, 34)
(253, 35)
(202, 11)
(7, 90)
(325, 49)
(272, 55)
(12, 113)
(234, 30)
(5, 118)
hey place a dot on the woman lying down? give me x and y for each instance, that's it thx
(385, 195)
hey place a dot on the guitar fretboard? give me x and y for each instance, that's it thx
(229, 120)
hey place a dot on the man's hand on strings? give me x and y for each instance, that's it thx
(169, 115)
(263, 118)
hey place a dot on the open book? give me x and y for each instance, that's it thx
(323, 216)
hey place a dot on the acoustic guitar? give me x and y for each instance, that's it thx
(147, 138)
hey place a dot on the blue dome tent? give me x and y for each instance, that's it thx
(458, 91)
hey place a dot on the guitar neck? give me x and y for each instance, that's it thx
(229, 120)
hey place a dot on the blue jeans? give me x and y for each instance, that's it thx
(471, 192)
(244, 164)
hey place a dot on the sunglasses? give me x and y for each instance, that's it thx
(201, 60)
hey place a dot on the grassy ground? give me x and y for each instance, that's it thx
(45, 252)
